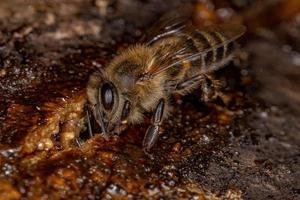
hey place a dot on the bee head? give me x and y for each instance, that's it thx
(109, 101)
(111, 108)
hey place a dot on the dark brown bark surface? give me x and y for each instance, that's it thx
(245, 146)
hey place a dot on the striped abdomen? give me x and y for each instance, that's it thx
(186, 51)
(214, 47)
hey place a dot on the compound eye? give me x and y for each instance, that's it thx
(108, 95)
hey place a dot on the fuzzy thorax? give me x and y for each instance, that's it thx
(125, 71)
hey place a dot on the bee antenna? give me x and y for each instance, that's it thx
(100, 118)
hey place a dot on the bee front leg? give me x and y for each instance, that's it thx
(78, 140)
(88, 121)
(152, 132)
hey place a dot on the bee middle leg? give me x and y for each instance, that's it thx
(152, 132)
(209, 86)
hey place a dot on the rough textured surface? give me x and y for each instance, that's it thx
(246, 146)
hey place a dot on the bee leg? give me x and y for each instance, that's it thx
(189, 83)
(89, 126)
(152, 132)
(78, 139)
(99, 118)
(210, 88)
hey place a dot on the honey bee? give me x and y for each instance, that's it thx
(177, 58)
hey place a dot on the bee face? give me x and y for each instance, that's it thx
(110, 107)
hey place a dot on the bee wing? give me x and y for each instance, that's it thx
(226, 34)
(170, 24)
